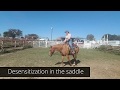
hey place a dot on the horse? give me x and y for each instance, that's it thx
(64, 50)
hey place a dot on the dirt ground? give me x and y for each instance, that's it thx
(102, 65)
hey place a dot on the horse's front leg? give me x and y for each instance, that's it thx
(62, 61)
(69, 60)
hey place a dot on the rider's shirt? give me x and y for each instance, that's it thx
(68, 36)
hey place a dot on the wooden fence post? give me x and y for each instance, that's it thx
(15, 44)
(39, 43)
(23, 43)
(2, 47)
(33, 43)
(46, 43)
(2, 42)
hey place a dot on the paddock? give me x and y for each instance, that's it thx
(102, 65)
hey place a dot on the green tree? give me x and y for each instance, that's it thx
(5, 34)
(111, 37)
(12, 33)
(32, 36)
(118, 37)
(90, 37)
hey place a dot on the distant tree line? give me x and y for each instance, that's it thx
(13, 33)
(18, 33)
(32, 36)
(111, 37)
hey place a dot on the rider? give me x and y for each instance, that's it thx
(68, 39)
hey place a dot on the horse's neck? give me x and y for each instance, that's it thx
(57, 47)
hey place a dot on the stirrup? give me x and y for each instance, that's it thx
(73, 52)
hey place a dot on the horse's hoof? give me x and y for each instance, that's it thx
(62, 65)
(74, 65)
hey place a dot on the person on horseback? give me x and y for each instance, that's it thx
(68, 39)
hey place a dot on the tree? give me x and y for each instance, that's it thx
(118, 37)
(90, 37)
(12, 33)
(5, 34)
(111, 37)
(32, 36)
(19, 33)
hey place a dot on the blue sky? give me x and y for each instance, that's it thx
(79, 23)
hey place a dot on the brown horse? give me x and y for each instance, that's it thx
(64, 50)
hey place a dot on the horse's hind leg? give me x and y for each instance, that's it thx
(74, 57)
(69, 60)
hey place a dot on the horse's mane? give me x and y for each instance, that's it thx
(57, 46)
(62, 48)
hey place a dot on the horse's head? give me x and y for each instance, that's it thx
(51, 51)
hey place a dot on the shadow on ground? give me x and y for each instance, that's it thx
(67, 62)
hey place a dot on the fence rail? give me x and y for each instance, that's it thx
(39, 43)
(6, 43)
(21, 43)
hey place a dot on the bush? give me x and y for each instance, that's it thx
(110, 49)
(27, 46)
(117, 52)
(4, 51)
(9, 50)
(102, 48)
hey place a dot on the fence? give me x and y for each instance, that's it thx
(44, 44)
(86, 44)
(12, 45)
(21, 43)
(114, 43)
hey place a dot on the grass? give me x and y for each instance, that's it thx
(102, 65)
(33, 57)
(110, 49)
(39, 57)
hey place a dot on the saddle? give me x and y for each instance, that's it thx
(71, 51)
